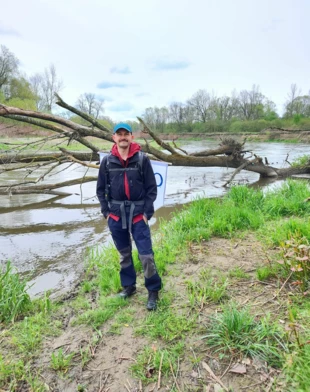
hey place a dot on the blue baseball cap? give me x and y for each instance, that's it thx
(125, 126)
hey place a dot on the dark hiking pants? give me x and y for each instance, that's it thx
(142, 236)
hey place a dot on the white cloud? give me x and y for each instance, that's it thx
(8, 31)
(120, 70)
(151, 53)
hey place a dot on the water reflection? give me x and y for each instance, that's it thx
(45, 237)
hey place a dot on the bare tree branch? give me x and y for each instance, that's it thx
(44, 188)
(229, 154)
(160, 142)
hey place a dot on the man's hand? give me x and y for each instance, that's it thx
(145, 220)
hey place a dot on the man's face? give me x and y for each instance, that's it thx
(122, 138)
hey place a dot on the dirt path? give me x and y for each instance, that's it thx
(109, 369)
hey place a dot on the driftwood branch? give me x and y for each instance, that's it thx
(229, 154)
(18, 189)
(160, 142)
(95, 123)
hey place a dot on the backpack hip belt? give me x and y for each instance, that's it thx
(127, 203)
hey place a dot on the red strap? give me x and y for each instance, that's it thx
(137, 218)
(116, 218)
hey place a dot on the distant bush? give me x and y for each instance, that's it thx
(248, 126)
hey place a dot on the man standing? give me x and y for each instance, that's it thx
(127, 189)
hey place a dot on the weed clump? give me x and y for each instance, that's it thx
(14, 299)
(237, 332)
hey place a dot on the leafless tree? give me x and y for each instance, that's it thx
(157, 117)
(8, 65)
(36, 82)
(90, 104)
(251, 103)
(203, 104)
(182, 115)
(297, 104)
(45, 85)
(225, 108)
(294, 92)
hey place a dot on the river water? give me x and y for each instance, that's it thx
(45, 237)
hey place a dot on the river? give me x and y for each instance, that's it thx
(46, 237)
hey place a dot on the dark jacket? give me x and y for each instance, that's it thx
(139, 188)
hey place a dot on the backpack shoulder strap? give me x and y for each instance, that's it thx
(140, 163)
(106, 162)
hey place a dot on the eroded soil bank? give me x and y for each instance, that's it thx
(198, 369)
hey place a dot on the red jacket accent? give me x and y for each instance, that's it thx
(135, 219)
(133, 149)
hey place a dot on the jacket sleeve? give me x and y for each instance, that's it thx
(101, 188)
(150, 188)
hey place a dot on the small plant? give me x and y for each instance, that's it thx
(153, 359)
(10, 372)
(61, 361)
(165, 324)
(28, 334)
(44, 304)
(296, 261)
(236, 331)
(207, 289)
(301, 161)
(239, 273)
(265, 272)
(86, 287)
(107, 309)
(14, 299)
(297, 369)
(86, 355)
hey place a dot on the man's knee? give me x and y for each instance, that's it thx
(125, 257)
(148, 264)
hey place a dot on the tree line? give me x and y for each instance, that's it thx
(243, 111)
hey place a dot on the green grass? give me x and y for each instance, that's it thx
(166, 323)
(238, 273)
(152, 359)
(4, 147)
(267, 272)
(297, 370)
(107, 308)
(301, 161)
(14, 299)
(208, 288)
(273, 233)
(15, 375)
(60, 361)
(275, 216)
(236, 331)
(28, 335)
(288, 200)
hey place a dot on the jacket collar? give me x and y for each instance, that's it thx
(133, 149)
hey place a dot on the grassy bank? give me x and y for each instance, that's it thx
(233, 314)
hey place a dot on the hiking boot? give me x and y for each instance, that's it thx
(152, 300)
(128, 291)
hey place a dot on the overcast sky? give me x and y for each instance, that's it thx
(137, 54)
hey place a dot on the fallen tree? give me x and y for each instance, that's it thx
(229, 154)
